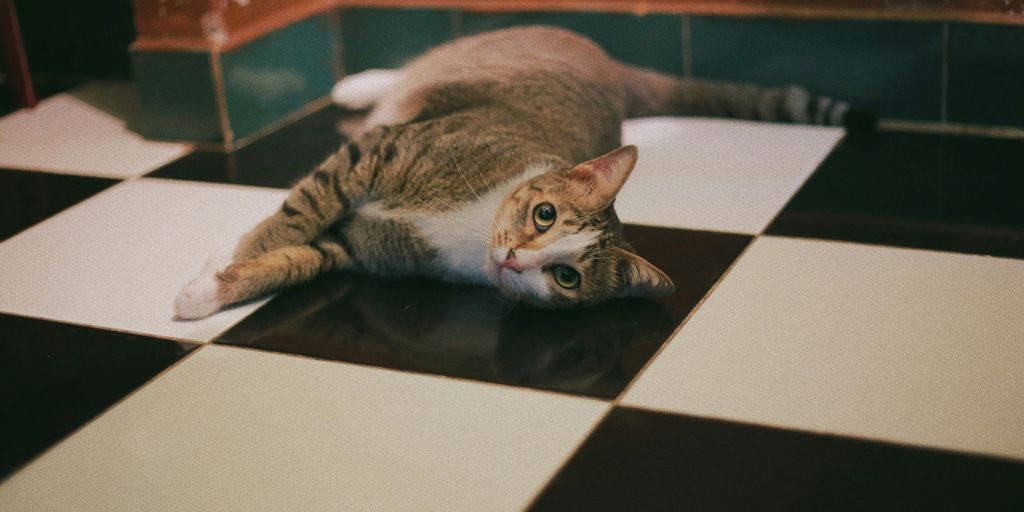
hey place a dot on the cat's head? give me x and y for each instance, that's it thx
(557, 242)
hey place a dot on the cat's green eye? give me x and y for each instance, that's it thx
(566, 277)
(544, 216)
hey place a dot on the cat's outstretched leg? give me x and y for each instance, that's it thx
(244, 280)
(314, 204)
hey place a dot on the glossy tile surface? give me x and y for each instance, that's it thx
(56, 377)
(119, 259)
(278, 159)
(936, 192)
(268, 79)
(892, 67)
(653, 41)
(389, 38)
(232, 429)
(639, 460)
(985, 74)
(27, 197)
(95, 123)
(432, 327)
(903, 345)
(717, 174)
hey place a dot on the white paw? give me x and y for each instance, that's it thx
(363, 90)
(220, 259)
(198, 299)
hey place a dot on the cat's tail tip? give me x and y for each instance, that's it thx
(859, 121)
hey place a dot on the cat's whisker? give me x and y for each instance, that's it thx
(464, 178)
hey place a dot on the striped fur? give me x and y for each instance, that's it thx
(443, 180)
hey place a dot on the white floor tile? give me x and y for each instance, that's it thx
(83, 131)
(911, 346)
(716, 174)
(233, 429)
(118, 259)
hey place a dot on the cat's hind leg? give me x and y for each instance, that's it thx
(363, 90)
(250, 279)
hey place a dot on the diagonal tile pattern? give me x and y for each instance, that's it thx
(54, 377)
(118, 260)
(94, 124)
(468, 332)
(785, 373)
(244, 430)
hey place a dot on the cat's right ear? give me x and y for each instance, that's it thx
(640, 278)
(603, 177)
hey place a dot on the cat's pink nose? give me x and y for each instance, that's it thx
(511, 262)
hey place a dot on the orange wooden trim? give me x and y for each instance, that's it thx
(221, 25)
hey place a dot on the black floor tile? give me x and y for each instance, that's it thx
(950, 193)
(275, 160)
(468, 332)
(55, 377)
(27, 197)
(641, 460)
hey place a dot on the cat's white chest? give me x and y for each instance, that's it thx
(461, 234)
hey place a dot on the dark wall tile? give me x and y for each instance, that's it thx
(652, 41)
(640, 460)
(986, 74)
(28, 197)
(55, 377)
(177, 99)
(892, 67)
(277, 74)
(389, 38)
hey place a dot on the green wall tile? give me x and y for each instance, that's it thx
(279, 73)
(652, 41)
(892, 67)
(176, 95)
(383, 38)
(986, 74)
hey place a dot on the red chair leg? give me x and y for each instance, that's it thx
(16, 63)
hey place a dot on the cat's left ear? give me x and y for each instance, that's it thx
(603, 176)
(640, 278)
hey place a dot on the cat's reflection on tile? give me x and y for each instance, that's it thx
(461, 331)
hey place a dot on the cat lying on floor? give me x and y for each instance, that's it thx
(481, 162)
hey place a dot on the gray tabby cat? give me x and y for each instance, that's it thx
(469, 169)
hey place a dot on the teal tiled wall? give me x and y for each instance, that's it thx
(892, 67)
(928, 71)
(986, 74)
(280, 73)
(387, 38)
(176, 96)
(653, 41)
(263, 82)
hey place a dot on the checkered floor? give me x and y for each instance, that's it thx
(848, 333)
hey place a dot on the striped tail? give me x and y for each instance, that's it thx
(652, 93)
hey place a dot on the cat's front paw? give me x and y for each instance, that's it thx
(198, 299)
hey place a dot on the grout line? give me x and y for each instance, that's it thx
(222, 101)
(807, 431)
(102, 413)
(931, 127)
(456, 22)
(618, 399)
(388, 369)
(944, 105)
(687, 35)
(568, 458)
